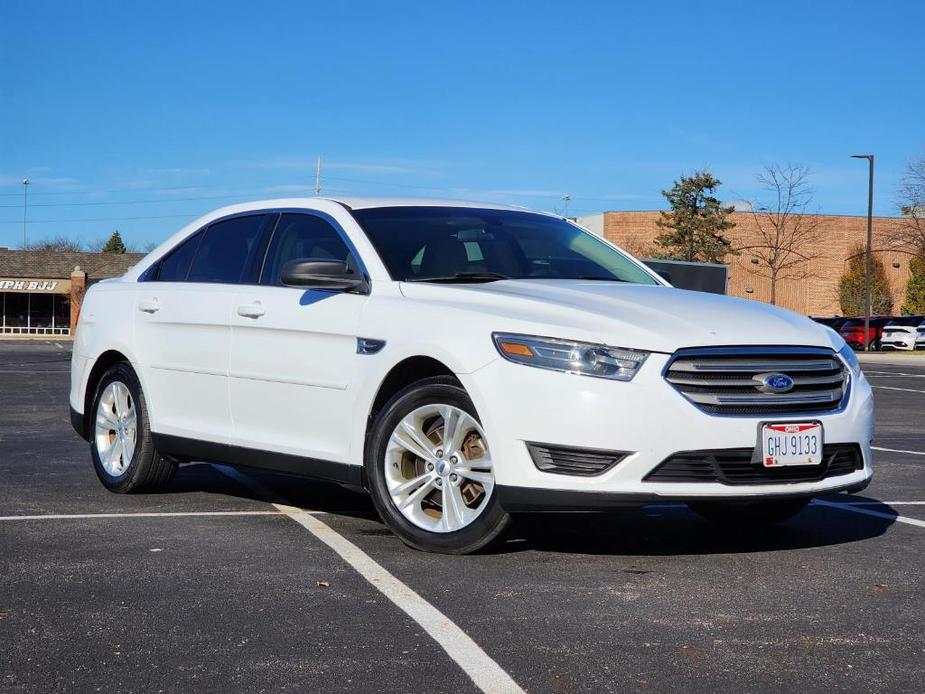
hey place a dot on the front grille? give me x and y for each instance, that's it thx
(727, 380)
(734, 466)
(573, 461)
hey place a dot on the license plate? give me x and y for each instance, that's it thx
(791, 443)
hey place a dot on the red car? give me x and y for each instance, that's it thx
(853, 332)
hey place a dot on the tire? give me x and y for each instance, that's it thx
(748, 513)
(117, 404)
(425, 523)
(875, 346)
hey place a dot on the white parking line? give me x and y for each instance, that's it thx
(177, 514)
(883, 503)
(882, 374)
(905, 390)
(896, 450)
(476, 663)
(868, 512)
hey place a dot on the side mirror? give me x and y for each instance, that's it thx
(664, 274)
(311, 273)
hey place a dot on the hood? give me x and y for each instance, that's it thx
(653, 318)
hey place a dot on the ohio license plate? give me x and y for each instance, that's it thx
(791, 443)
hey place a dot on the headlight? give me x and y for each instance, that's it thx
(583, 358)
(851, 359)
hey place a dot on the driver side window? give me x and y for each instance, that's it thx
(302, 236)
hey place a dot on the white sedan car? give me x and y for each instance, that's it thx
(461, 362)
(900, 333)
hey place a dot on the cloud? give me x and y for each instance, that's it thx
(176, 171)
(369, 167)
(57, 182)
(290, 188)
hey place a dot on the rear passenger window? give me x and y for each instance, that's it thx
(302, 236)
(175, 266)
(232, 250)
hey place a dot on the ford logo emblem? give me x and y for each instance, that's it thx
(774, 383)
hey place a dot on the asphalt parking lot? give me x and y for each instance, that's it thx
(211, 587)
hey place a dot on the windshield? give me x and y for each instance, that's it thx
(459, 244)
(907, 321)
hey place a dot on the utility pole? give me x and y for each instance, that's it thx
(25, 205)
(566, 198)
(870, 257)
(318, 176)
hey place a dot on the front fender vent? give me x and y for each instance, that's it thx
(562, 460)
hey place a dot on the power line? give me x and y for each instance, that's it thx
(104, 219)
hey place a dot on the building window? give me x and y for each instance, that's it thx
(34, 314)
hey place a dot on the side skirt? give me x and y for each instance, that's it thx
(240, 456)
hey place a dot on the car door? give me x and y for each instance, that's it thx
(183, 326)
(294, 355)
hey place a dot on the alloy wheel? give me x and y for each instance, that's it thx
(116, 428)
(438, 468)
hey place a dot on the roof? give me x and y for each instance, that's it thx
(60, 264)
(359, 203)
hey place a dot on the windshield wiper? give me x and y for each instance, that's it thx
(600, 278)
(462, 277)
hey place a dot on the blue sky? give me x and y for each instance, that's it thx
(141, 116)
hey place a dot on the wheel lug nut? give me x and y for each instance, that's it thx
(439, 453)
(454, 478)
(454, 460)
(438, 482)
(430, 467)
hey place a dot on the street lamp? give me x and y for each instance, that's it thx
(25, 202)
(870, 261)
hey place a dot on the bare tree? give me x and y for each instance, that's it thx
(55, 244)
(788, 236)
(909, 235)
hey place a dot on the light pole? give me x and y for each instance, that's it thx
(870, 260)
(25, 203)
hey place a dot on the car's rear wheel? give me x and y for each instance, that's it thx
(121, 446)
(749, 513)
(430, 471)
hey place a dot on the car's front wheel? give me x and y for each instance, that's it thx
(121, 446)
(430, 471)
(748, 513)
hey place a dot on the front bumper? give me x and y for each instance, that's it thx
(906, 344)
(648, 418)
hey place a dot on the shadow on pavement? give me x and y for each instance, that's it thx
(285, 489)
(667, 529)
(673, 529)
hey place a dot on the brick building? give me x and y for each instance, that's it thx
(816, 295)
(41, 291)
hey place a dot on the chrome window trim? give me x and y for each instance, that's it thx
(264, 212)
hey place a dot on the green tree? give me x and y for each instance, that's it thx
(114, 244)
(915, 289)
(852, 286)
(695, 223)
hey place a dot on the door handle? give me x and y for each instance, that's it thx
(251, 310)
(149, 306)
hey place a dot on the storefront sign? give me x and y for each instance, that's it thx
(34, 286)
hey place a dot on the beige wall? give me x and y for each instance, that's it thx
(817, 295)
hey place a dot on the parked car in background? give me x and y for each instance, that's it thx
(460, 362)
(853, 332)
(920, 336)
(834, 322)
(900, 333)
